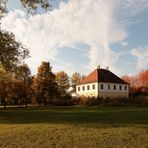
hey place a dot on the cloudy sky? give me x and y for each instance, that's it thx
(78, 35)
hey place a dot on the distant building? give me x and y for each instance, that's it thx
(102, 83)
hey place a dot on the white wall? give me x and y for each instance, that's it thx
(86, 92)
(105, 87)
(103, 92)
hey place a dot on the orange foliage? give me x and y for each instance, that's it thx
(139, 82)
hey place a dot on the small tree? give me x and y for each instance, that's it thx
(75, 79)
(62, 80)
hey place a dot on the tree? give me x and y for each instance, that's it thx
(23, 76)
(4, 85)
(75, 79)
(45, 86)
(12, 53)
(138, 83)
(143, 78)
(62, 80)
(30, 5)
(16, 86)
(16, 91)
(3, 7)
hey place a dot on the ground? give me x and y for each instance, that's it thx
(74, 127)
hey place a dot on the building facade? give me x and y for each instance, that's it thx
(102, 83)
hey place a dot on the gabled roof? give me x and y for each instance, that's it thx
(102, 75)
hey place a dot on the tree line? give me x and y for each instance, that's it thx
(21, 88)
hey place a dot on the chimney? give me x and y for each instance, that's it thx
(107, 68)
(98, 67)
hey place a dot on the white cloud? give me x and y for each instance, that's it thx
(125, 43)
(91, 22)
(142, 57)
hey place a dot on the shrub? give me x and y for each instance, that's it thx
(119, 101)
(65, 100)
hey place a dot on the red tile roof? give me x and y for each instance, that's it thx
(102, 75)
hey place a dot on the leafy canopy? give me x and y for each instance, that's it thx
(12, 53)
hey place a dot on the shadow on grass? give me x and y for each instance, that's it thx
(99, 116)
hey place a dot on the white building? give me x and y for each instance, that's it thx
(102, 83)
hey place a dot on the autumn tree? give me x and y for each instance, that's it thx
(16, 91)
(12, 52)
(16, 87)
(138, 83)
(23, 76)
(143, 80)
(63, 82)
(4, 85)
(45, 86)
(75, 79)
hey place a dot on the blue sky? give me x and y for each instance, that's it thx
(76, 36)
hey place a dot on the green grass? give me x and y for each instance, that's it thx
(78, 127)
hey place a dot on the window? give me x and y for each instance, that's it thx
(108, 86)
(114, 87)
(120, 87)
(78, 88)
(83, 87)
(125, 87)
(101, 86)
(88, 87)
(93, 86)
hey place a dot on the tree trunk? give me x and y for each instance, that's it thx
(4, 103)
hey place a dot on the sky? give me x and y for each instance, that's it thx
(77, 36)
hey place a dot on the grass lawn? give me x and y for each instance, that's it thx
(74, 127)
